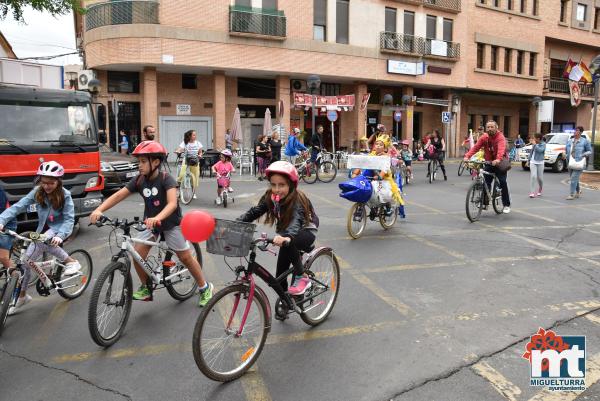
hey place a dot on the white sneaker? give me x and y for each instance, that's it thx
(72, 268)
(229, 189)
(506, 210)
(218, 201)
(194, 197)
(20, 302)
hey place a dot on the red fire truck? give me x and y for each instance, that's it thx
(47, 124)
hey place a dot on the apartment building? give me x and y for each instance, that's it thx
(180, 64)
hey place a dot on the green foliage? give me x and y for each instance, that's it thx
(54, 7)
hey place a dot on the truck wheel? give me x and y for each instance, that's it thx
(558, 165)
(524, 165)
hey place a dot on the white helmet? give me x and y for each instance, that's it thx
(51, 169)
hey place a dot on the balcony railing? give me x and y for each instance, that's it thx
(446, 5)
(121, 12)
(398, 43)
(257, 21)
(560, 85)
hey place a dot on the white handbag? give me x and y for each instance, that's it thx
(576, 165)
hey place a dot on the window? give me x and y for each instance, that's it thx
(496, 3)
(448, 30)
(563, 10)
(507, 59)
(124, 82)
(506, 126)
(330, 89)
(509, 5)
(431, 27)
(581, 12)
(269, 4)
(535, 7)
(409, 23)
(256, 88)
(480, 55)
(532, 57)
(244, 3)
(597, 19)
(320, 20)
(520, 62)
(341, 21)
(523, 6)
(188, 81)
(494, 58)
(390, 19)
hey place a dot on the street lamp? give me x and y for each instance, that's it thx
(595, 70)
(313, 82)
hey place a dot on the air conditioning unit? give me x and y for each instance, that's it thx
(298, 85)
(85, 76)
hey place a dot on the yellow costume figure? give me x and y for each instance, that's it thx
(396, 195)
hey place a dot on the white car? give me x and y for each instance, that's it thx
(556, 151)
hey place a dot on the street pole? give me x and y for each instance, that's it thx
(594, 117)
(332, 140)
(314, 103)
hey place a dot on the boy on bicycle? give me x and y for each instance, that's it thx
(162, 214)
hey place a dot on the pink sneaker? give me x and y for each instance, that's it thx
(299, 286)
(539, 193)
(532, 195)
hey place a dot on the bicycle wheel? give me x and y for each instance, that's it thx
(324, 272)
(461, 167)
(326, 172)
(6, 298)
(76, 284)
(110, 304)
(220, 353)
(357, 220)
(309, 173)
(224, 195)
(183, 286)
(497, 200)
(474, 202)
(186, 189)
(386, 221)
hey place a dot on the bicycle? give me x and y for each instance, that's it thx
(68, 287)
(114, 288)
(479, 192)
(357, 216)
(186, 186)
(433, 166)
(224, 183)
(323, 169)
(404, 173)
(462, 166)
(231, 330)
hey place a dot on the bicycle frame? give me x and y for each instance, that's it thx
(481, 178)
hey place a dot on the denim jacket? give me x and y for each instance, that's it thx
(537, 152)
(60, 221)
(582, 149)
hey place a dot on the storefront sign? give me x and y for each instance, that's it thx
(183, 109)
(406, 67)
(439, 70)
(439, 48)
(342, 102)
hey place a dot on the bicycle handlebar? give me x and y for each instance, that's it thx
(123, 223)
(33, 236)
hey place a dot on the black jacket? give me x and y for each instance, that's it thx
(296, 224)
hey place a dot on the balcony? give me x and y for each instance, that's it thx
(392, 42)
(247, 21)
(121, 12)
(452, 6)
(561, 85)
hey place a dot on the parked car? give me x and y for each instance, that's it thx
(117, 168)
(556, 148)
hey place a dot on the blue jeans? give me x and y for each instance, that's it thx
(575, 174)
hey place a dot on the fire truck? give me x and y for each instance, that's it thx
(49, 124)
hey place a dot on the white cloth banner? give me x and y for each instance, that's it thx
(381, 163)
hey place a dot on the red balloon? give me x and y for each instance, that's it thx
(197, 225)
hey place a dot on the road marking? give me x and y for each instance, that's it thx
(310, 335)
(536, 216)
(412, 267)
(592, 375)
(592, 317)
(54, 318)
(497, 380)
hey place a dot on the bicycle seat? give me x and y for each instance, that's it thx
(309, 249)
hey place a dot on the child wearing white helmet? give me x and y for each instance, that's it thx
(223, 169)
(55, 209)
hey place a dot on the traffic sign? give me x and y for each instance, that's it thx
(397, 116)
(446, 117)
(332, 115)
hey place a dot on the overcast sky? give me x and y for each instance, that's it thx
(41, 35)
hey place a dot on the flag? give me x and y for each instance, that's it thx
(587, 75)
(575, 93)
(568, 67)
(576, 73)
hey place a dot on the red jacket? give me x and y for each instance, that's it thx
(493, 148)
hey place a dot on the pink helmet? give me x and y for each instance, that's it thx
(51, 169)
(406, 142)
(226, 152)
(283, 168)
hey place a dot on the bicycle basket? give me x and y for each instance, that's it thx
(231, 238)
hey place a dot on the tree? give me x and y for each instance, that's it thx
(54, 7)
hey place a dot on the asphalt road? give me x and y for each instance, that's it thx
(436, 308)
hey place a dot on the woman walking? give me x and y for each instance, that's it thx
(275, 144)
(578, 148)
(536, 165)
(263, 155)
(193, 153)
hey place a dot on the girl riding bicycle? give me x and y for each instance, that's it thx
(295, 221)
(6, 240)
(55, 209)
(407, 156)
(440, 147)
(222, 169)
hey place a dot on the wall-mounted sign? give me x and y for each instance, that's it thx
(406, 67)
(545, 112)
(183, 109)
(167, 59)
(439, 70)
(439, 48)
(341, 102)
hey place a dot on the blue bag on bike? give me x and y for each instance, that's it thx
(358, 189)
